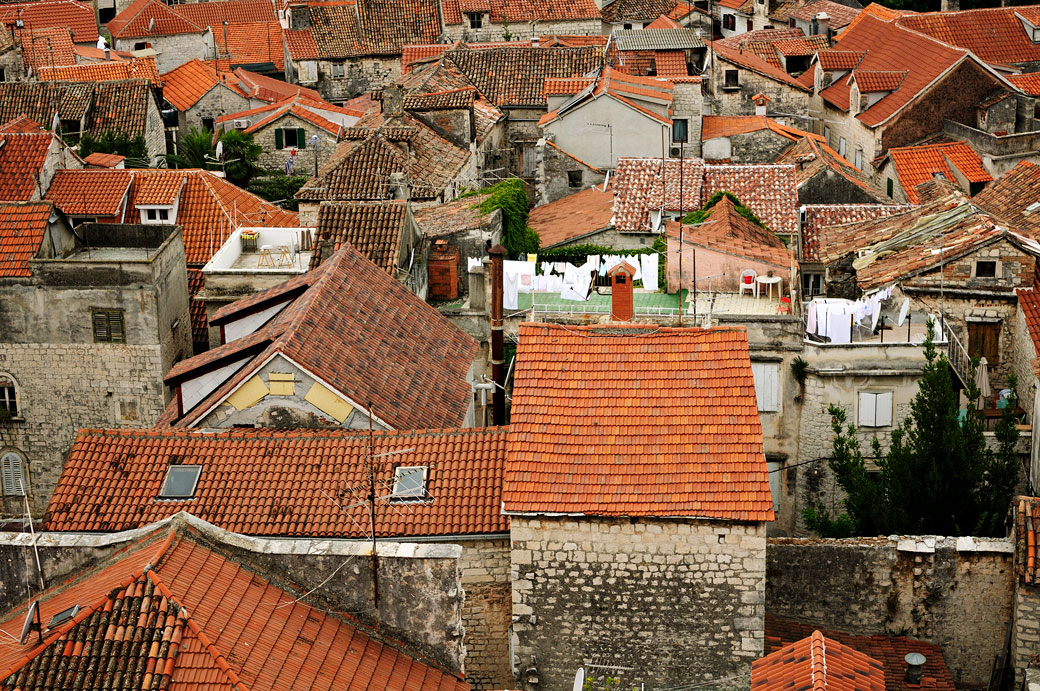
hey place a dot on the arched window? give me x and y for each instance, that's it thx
(8, 397)
(12, 474)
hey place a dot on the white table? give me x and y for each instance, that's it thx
(769, 282)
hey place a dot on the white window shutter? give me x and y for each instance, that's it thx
(867, 407)
(767, 385)
(12, 474)
(883, 414)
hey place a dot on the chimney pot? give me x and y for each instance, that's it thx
(914, 667)
(621, 307)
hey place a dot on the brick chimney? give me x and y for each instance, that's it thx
(760, 100)
(621, 308)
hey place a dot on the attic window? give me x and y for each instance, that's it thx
(732, 76)
(985, 269)
(180, 482)
(157, 215)
(475, 19)
(410, 482)
(574, 178)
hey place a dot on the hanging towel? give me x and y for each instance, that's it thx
(511, 291)
(839, 330)
(547, 268)
(810, 318)
(576, 283)
(648, 264)
(525, 270)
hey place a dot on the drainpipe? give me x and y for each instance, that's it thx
(498, 401)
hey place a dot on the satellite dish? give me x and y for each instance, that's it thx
(28, 626)
(579, 678)
(903, 311)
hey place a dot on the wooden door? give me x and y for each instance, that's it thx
(984, 341)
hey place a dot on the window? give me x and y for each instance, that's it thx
(729, 21)
(308, 71)
(985, 269)
(574, 178)
(875, 409)
(812, 284)
(12, 474)
(790, 22)
(70, 126)
(281, 384)
(680, 130)
(8, 398)
(475, 19)
(827, 135)
(108, 325)
(750, 25)
(732, 79)
(628, 27)
(157, 215)
(890, 187)
(180, 482)
(208, 124)
(337, 70)
(3, 75)
(140, 45)
(290, 138)
(410, 482)
(859, 159)
(767, 385)
(842, 147)
(774, 468)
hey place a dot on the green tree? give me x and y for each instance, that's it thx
(938, 477)
(511, 197)
(240, 156)
(135, 149)
(276, 187)
(194, 150)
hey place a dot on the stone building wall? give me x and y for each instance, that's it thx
(678, 602)
(1024, 360)
(955, 592)
(154, 130)
(1025, 641)
(762, 146)
(487, 612)
(737, 101)
(359, 76)
(522, 30)
(217, 102)
(555, 168)
(274, 159)
(65, 387)
(174, 50)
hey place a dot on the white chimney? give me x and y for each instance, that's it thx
(823, 24)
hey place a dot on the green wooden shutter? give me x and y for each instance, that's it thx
(278, 139)
(301, 138)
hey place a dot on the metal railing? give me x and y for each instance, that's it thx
(957, 355)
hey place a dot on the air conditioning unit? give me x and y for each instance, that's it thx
(243, 124)
(674, 152)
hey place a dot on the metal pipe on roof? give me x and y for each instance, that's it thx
(498, 400)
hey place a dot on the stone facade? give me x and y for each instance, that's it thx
(667, 602)
(1025, 640)
(487, 611)
(308, 160)
(64, 380)
(173, 50)
(342, 80)
(521, 30)
(762, 146)
(954, 592)
(560, 174)
(737, 100)
(217, 102)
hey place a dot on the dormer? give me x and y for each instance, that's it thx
(1030, 18)
(868, 87)
(833, 65)
(158, 197)
(476, 14)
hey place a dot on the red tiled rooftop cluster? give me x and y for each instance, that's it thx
(917, 164)
(22, 227)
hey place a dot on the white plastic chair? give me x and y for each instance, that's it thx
(751, 287)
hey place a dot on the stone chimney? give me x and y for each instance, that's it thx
(950, 5)
(621, 307)
(823, 24)
(393, 101)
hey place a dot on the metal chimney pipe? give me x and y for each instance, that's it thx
(498, 372)
(914, 667)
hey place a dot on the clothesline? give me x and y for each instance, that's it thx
(570, 281)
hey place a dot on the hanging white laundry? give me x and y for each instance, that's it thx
(474, 264)
(810, 318)
(634, 261)
(525, 270)
(555, 283)
(839, 330)
(649, 266)
(561, 267)
(541, 283)
(511, 291)
(547, 268)
(576, 283)
(591, 263)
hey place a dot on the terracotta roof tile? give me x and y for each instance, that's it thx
(890, 48)
(889, 651)
(872, 81)
(22, 123)
(841, 15)
(450, 99)
(159, 190)
(250, 43)
(713, 126)
(371, 27)
(98, 193)
(150, 18)
(879, 11)
(793, 47)
(515, 76)
(111, 479)
(819, 664)
(372, 228)
(623, 420)
(457, 216)
(1011, 196)
(638, 189)
(269, 89)
(347, 329)
(184, 85)
(818, 216)
(22, 158)
(725, 230)
(770, 191)
(996, 35)
(620, 11)
(215, 12)
(840, 59)
(135, 68)
(120, 106)
(101, 160)
(46, 47)
(572, 216)
(916, 164)
(78, 17)
(297, 106)
(300, 44)
(1027, 513)
(523, 11)
(812, 156)
(681, 38)
(22, 227)
(754, 51)
(155, 615)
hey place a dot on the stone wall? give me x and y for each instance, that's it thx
(762, 146)
(737, 101)
(954, 592)
(678, 602)
(1025, 641)
(487, 612)
(217, 102)
(274, 158)
(1024, 360)
(154, 130)
(359, 75)
(174, 50)
(521, 30)
(554, 169)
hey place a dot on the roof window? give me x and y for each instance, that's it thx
(180, 482)
(409, 482)
(63, 616)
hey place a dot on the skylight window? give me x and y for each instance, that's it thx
(63, 616)
(410, 482)
(180, 482)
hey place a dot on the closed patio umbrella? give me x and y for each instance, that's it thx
(982, 381)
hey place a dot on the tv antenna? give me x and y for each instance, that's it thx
(32, 623)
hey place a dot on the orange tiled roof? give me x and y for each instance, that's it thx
(733, 234)
(811, 156)
(515, 76)
(454, 217)
(890, 651)
(172, 611)
(135, 68)
(46, 47)
(22, 226)
(872, 81)
(996, 35)
(300, 44)
(159, 190)
(78, 17)
(839, 59)
(879, 11)
(771, 191)
(104, 160)
(572, 216)
(215, 12)
(816, 663)
(622, 87)
(841, 15)
(22, 123)
(270, 89)
(818, 216)
(524, 11)
(346, 329)
(1011, 195)
(1029, 83)
(184, 85)
(210, 207)
(621, 11)
(22, 156)
(372, 228)
(250, 42)
(916, 164)
(1027, 514)
(111, 479)
(754, 51)
(297, 106)
(713, 126)
(624, 420)
(150, 18)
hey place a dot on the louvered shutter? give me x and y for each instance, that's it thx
(279, 141)
(12, 474)
(301, 138)
(100, 321)
(116, 329)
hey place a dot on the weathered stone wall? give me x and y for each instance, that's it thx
(955, 592)
(679, 602)
(762, 146)
(174, 50)
(217, 102)
(553, 181)
(154, 130)
(359, 75)
(737, 101)
(1024, 360)
(521, 30)
(274, 158)
(830, 187)
(487, 612)
(1025, 641)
